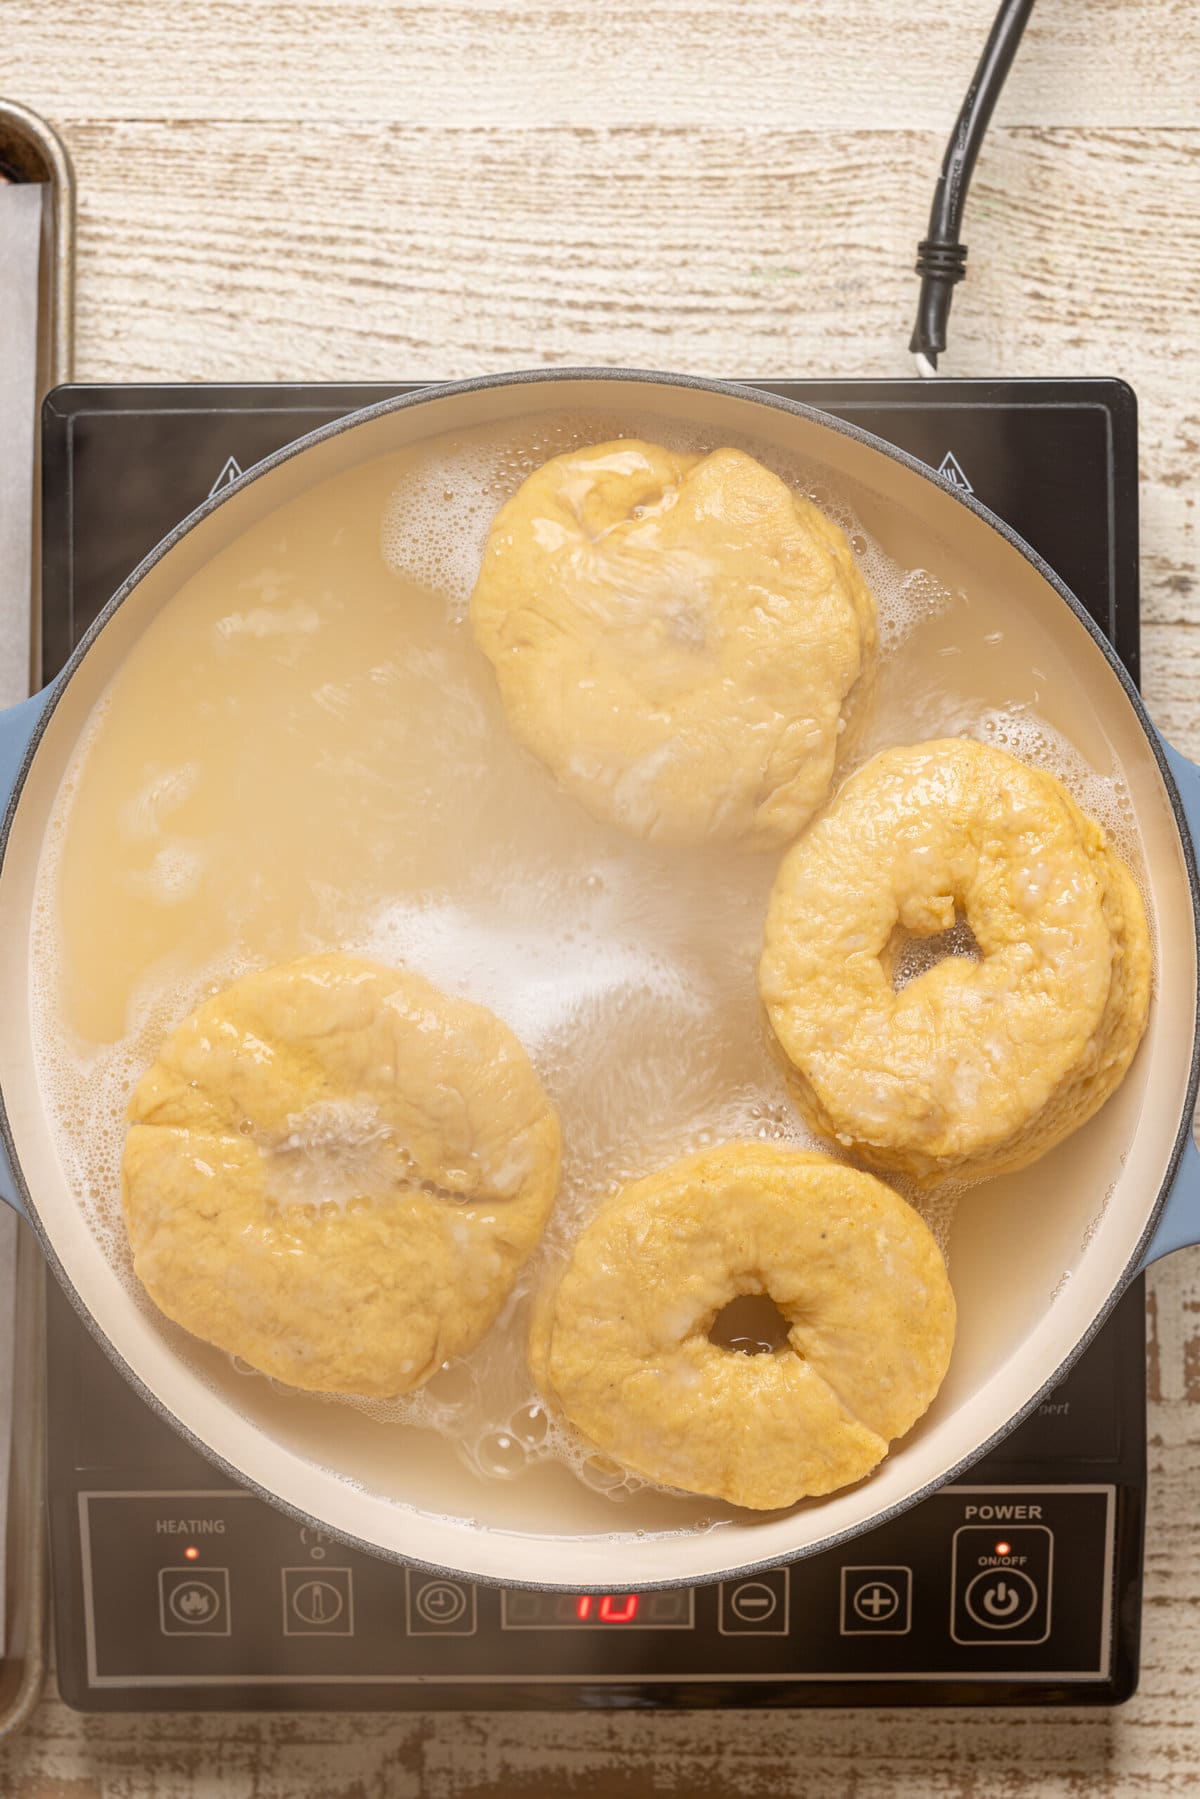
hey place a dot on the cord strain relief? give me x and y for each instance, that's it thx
(941, 258)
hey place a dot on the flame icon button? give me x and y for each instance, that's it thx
(190, 1605)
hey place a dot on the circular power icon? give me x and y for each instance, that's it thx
(1000, 1598)
(317, 1602)
(441, 1602)
(194, 1602)
(877, 1601)
(753, 1602)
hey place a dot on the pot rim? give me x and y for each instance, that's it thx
(868, 440)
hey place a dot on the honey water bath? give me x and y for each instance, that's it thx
(304, 752)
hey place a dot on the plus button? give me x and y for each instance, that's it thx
(876, 1599)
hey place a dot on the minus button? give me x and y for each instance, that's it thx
(755, 1607)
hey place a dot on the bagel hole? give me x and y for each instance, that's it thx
(909, 955)
(752, 1324)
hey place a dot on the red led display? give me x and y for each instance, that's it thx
(596, 1611)
(612, 1609)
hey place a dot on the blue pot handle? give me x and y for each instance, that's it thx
(17, 726)
(1179, 1226)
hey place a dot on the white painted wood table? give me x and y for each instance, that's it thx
(382, 189)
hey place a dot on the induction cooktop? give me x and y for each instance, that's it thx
(1021, 1585)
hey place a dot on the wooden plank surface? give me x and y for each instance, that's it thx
(782, 63)
(381, 190)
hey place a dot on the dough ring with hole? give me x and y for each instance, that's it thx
(979, 1066)
(677, 637)
(336, 1172)
(622, 1347)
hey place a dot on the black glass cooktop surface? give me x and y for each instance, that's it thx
(1020, 1585)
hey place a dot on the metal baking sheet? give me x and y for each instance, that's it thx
(31, 153)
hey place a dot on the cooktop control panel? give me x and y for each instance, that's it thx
(209, 1587)
(1019, 1585)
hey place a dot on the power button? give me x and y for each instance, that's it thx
(1002, 1584)
(1001, 1600)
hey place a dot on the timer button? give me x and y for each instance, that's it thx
(439, 1608)
(757, 1607)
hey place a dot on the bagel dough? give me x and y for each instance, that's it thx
(975, 1067)
(335, 1172)
(622, 1346)
(676, 637)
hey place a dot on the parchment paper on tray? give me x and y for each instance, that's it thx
(20, 243)
(21, 206)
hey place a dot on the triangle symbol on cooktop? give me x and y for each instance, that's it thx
(231, 472)
(950, 469)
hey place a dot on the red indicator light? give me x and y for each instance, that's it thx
(191, 1553)
(1004, 1549)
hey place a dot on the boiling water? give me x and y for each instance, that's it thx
(304, 752)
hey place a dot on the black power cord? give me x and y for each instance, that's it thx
(941, 257)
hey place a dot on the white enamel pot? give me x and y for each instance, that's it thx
(1037, 1260)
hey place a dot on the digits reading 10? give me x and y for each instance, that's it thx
(609, 1608)
(598, 1611)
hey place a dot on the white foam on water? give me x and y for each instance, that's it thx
(1102, 793)
(417, 538)
(541, 981)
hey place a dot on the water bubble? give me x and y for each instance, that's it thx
(601, 1473)
(530, 1425)
(453, 1387)
(500, 1455)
